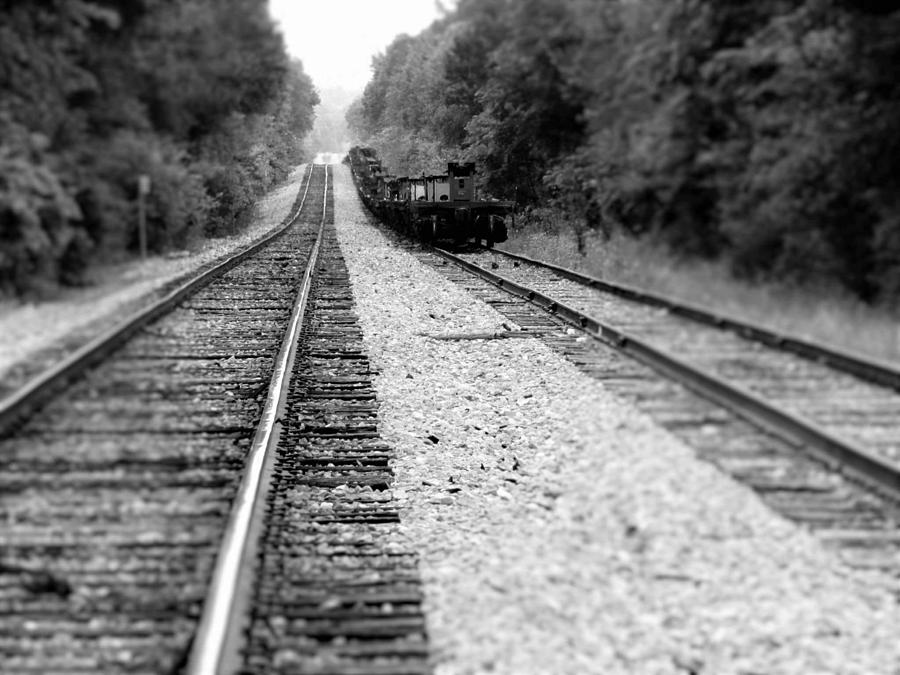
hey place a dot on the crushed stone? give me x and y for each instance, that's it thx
(561, 531)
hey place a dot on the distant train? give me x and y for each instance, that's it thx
(430, 208)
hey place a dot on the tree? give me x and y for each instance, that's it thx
(199, 94)
(765, 133)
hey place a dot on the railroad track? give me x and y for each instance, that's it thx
(852, 506)
(812, 395)
(313, 576)
(119, 466)
(41, 385)
(205, 489)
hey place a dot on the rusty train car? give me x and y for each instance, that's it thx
(430, 208)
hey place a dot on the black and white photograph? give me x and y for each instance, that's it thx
(449, 337)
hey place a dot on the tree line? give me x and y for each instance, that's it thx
(198, 95)
(764, 133)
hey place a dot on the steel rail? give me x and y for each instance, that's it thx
(838, 453)
(863, 366)
(30, 397)
(215, 648)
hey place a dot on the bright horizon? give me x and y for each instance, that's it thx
(336, 39)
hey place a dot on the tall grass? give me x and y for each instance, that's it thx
(822, 314)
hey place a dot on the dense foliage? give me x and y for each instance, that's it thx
(197, 94)
(764, 132)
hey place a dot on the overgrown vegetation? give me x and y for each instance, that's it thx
(199, 95)
(765, 134)
(832, 315)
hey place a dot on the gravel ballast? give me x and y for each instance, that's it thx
(561, 531)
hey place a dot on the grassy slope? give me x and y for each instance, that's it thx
(824, 315)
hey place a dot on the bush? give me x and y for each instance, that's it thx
(199, 96)
(39, 221)
(176, 208)
(232, 191)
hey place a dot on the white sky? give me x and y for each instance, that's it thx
(336, 39)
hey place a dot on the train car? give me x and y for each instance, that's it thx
(431, 208)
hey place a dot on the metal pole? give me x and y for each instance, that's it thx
(143, 191)
(142, 227)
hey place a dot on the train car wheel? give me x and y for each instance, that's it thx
(423, 230)
(498, 230)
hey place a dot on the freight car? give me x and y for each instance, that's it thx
(431, 208)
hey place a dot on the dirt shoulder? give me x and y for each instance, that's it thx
(34, 336)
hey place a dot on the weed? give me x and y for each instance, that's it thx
(823, 314)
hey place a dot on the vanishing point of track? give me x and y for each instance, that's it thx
(312, 575)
